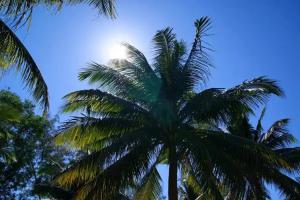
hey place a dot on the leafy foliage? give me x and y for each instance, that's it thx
(29, 155)
(10, 111)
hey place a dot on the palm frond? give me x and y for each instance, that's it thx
(18, 56)
(236, 171)
(251, 152)
(52, 191)
(256, 189)
(105, 7)
(20, 12)
(263, 163)
(137, 58)
(101, 102)
(176, 89)
(149, 188)
(196, 68)
(201, 176)
(218, 104)
(143, 78)
(213, 105)
(187, 192)
(164, 41)
(109, 79)
(256, 91)
(290, 188)
(92, 164)
(291, 155)
(259, 127)
(278, 136)
(120, 174)
(82, 131)
(224, 171)
(241, 126)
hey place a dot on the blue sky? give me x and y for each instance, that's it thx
(249, 39)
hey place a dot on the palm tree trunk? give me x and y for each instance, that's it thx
(172, 190)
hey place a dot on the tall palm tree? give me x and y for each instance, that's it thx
(14, 53)
(141, 115)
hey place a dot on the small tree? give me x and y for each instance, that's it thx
(28, 155)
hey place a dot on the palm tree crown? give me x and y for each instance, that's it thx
(143, 114)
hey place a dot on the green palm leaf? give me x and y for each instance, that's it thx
(277, 136)
(120, 174)
(103, 103)
(17, 55)
(219, 104)
(149, 187)
(196, 68)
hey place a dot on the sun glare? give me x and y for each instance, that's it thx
(117, 51)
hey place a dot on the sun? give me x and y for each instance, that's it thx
(117, 51)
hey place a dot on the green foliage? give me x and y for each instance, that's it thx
(27, 153)
(143, 114)
(10, 111)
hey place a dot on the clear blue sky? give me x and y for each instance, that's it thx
(249, 38)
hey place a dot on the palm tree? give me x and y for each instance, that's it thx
(142, 115)
(14, 53)
(277, 138)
